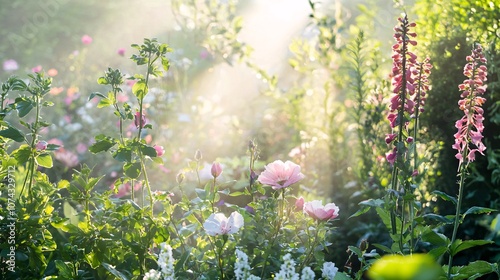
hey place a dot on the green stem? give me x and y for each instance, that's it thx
(146, 181)
(34, 137)
(276, 232)
(457, 213)
(311, 249)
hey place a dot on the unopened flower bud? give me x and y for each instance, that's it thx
(216, 169)
(299, 203)
(180, 178)
(41, 145)
(253, 177)
(159, 150)
(139, 120)
(198, 156)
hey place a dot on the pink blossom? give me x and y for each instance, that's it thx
(81, 148)
(121, 51)
(316, 210)
(10, 65)
(219, 224)
(468, 139)
(36, 69)
(391, 156)
(86, 39)
(299, 203)
(216, 169)
(68, 158)
(125, 189)
(159, 150)
(280, 175)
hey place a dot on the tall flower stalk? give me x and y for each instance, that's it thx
(468, 139)
(410, 84)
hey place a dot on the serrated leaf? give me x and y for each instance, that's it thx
(140, 89)
(24, 106)
(132, 170)
(12, 133)
(22, 154)
(105, 102)
(478, 210)
(65, 271)
(445, 196)
(44, 160)
(460, 245)
(476, 269)
(102, 144)
(148, 151)
(123, 154)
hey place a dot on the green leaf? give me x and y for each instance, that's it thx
(24, 106)
(438, 218)
(44, 160)
(102, 143)
(360, 212)
(12, 133)
(132, 170)
(478, 210)
(113, 271)
(384, 248)
(101, 81)
(372, 202)
(65, 271)
(148, 151)
(93, 259)
(474, 270)
(460, 245)
(438, 252)
(105, 102)
(140, 89)
(202, 194)
(123, 154)
(165, 63)
(435, 238)
(94, 94)
(22, 154)
(445, 196)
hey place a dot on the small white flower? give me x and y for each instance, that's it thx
(152, 275)
(307, 274)
(219, 224)
(287, 269)
(242, 268)
(329, 270)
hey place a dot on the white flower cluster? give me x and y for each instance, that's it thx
(287, 270)
(329, 270)
(165, 263)
(242, 268)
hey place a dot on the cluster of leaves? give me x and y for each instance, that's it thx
(70, 230)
